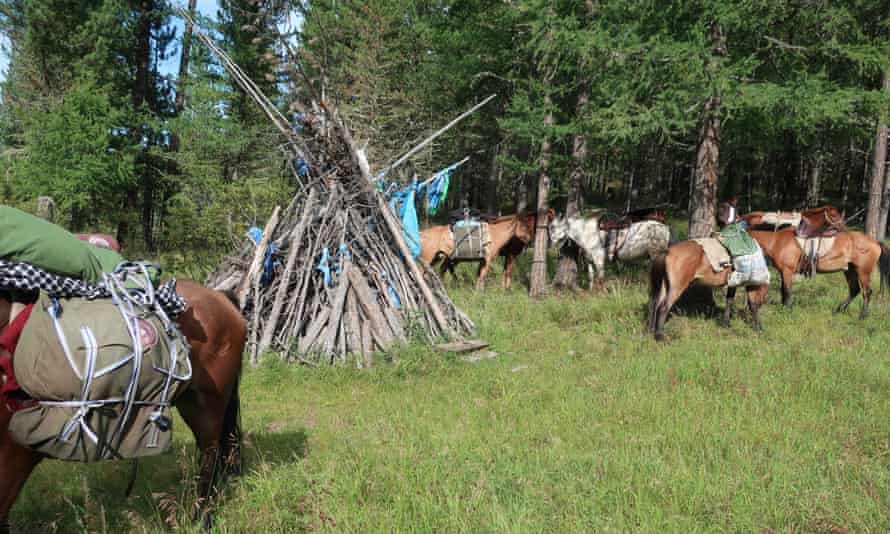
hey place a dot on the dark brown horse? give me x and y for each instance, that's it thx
(685, 263)
(216, 332)
(509, 235)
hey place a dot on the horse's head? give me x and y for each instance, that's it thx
(823, 217)
(558, 228)
(727, 212)
(834, 218)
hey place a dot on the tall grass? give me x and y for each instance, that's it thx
(583, 423)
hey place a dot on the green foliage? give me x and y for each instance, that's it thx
(75, 150)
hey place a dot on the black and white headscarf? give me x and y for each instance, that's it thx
(27, 277)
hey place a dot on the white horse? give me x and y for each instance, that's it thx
(641, 239)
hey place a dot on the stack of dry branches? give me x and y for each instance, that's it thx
(345, 281)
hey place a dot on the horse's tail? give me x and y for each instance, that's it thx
(657, 281)
(231, 439)
(884, 265)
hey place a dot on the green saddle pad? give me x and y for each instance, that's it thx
(737, 241)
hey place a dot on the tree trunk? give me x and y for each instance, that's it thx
(182, 79)
(522, 194)
(879, 166)
(539, 263)
(567, 269)
(143, 53)
(814, 187)
(491, 204)
(703, 202)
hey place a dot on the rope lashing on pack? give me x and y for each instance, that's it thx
(134, 296)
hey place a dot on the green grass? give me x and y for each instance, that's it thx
(582, 423)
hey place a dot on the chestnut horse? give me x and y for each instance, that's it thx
(216, 332)
(852, 252)
(811, 220)
(509, 236)
(685, 263)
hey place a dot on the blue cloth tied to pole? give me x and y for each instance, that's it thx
(324, 267)
(402, 203)
(255, 234)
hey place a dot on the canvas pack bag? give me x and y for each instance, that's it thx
(105, 375)
(749, 270)
(470, 240)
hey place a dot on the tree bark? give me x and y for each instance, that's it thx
(879, 166)
(703, 201)
(567, 269)
(814, 187)
(143, 53)
(522, 194)
(539, 263)
(182, 79)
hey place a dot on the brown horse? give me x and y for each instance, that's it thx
(810, 220)
(509, 236)
(216, 332)
(852, 252)
(685, 263)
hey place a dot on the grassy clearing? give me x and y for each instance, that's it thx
(582, 423)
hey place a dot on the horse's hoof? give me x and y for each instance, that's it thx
(659, 337)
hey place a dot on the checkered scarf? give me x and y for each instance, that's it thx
(27, 277)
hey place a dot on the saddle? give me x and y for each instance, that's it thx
(468, 214)
(778, 219)
(610, 222)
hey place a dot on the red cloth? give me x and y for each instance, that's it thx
(10, 392)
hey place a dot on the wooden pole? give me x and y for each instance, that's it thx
(395, 227)
(284, 282)
(439, 132)
(259, 254)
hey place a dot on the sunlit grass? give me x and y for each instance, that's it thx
(583, 422)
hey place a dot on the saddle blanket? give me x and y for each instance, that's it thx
(819, 246)
(781, 218)
(716, 253)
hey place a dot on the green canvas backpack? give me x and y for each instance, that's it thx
(83, 392)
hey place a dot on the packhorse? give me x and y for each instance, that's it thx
(509, 236)
(854, 253)
(644, 238)
(687, 262)
(216, 333)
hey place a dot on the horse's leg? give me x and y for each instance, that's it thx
(483, 272)
(730, 303)
(853, 283)
(508, 270)
(674, 291)
(787, 279)
(16, 465)
(865, 283)
(204, 411)
(756, 296)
